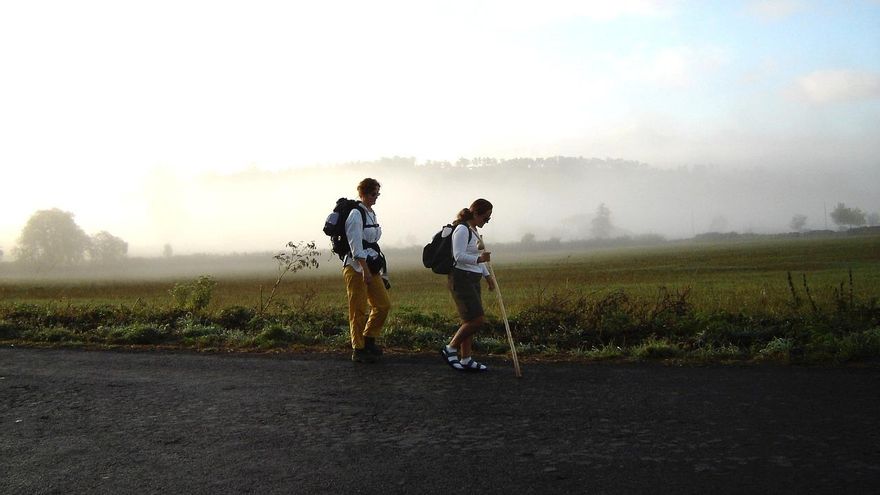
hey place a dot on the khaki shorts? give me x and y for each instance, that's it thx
(465, 289)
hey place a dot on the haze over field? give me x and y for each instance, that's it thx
(216, 127)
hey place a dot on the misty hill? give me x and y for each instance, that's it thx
(551, 198)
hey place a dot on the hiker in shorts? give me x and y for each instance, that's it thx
(464, 284)
(365, 276)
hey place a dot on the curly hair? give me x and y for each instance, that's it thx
(368, 186)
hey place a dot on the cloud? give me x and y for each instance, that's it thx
(831, 86)
(673, 67)
(524, 14)
(773, 10)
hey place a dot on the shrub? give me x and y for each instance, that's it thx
(9, 330)
(778, 348)
(656, 349)
(316, 326)
(199, 334)
(407, 327)
(711, 352)
(87, 317)
(138, 333)
(193, 296)
(416, 337)
(556, 321)
(725, 329)
(235, 317)
(25, 313)
(609, 351)
(53, 335)
(273, 335)
(408, 315)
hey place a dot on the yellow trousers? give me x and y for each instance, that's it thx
(362, 324)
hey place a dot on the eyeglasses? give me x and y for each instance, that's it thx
(375, 194)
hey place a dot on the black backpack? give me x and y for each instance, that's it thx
(334, 226)
(437, 254)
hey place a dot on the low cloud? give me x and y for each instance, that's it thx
(526, 14)
(773, 10)
(831, 86)
(676, 67)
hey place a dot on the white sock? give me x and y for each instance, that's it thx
(466, 361)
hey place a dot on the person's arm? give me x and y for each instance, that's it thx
(484, 258)
(459, 247)
(354, 231)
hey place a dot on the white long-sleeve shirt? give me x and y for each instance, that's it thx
(465, 253)
(356, 233)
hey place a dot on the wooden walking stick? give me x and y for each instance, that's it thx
(506, 324)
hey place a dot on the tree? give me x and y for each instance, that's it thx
(798, 222)
(106, 248)
(873, 220)
(51, 238)
(528, 238)
(601, 225)
(851, 217)
(167, 251)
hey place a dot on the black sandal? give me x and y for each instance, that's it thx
(451, 358)
(474, 366)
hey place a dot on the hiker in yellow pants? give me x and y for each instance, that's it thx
(365, 276)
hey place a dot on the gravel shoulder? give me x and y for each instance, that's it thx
(76, 421)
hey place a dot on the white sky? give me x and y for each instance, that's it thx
(102, 101)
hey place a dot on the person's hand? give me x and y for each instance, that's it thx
(484, 257)
(491, 283)
(368, 277)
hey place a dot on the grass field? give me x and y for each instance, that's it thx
(748, 276)
(741, 279)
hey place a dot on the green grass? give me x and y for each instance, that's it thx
(746, 276)
(678, 300)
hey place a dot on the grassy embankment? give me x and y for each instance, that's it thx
(685, 300)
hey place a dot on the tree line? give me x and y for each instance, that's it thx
(51, 238)
(842, 216)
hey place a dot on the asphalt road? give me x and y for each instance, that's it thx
(74, 421)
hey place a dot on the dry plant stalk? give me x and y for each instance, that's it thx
(298, 256)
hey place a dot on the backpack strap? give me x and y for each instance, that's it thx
(364, 217)
(373, 245)
(468, 227)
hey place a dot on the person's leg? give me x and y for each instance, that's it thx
(380, 306)
(464, 337)
(357, 306)
(465, 290)
(466, 348)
